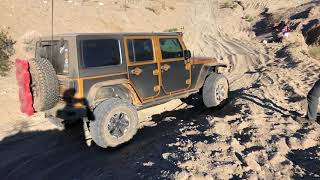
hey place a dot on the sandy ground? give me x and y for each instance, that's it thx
(254, 136)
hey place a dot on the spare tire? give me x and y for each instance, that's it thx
(44, 84)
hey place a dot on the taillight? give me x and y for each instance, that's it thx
(66, 62)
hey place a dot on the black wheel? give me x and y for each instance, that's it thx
(215, 90)
(44, 84)
(115, 122)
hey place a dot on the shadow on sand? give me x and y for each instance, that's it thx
(308, 160)
(151, 154)
(63, 154)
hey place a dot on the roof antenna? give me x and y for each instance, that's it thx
(52, 30)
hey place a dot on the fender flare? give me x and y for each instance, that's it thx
(207, 69)
(112, 89)
(216, 65)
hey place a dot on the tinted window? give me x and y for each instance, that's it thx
(140, 50)
(171, 48)
(100, 52)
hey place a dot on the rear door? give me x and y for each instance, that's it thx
(175, 70)
(143, 66)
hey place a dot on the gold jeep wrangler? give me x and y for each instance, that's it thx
(106, 78)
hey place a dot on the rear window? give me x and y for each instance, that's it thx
(171, 48)
(59, 57)
(100, 52)
(140, 50)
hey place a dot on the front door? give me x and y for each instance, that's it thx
(142, 66)
(175, 70)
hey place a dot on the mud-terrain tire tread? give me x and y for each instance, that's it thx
(43, 72)
(208, 91)
(97, 126)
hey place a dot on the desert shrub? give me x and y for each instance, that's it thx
(6, 51)
(315, 52)
(29, 41)
(229, 4)
(249, 18)
(171, 30)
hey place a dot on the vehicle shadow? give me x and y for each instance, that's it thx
(152, 154)
(69, 112)
(308, 160)
(63, 154)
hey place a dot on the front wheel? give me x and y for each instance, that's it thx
(115, 122)
(215, 90)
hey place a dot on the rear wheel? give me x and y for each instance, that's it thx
(215, 90)
(115, 122)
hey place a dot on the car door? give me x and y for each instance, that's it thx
(143, 66)
(175, 70)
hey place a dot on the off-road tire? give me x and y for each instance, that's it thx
(44, 84)
(210, 90)
(102, 116)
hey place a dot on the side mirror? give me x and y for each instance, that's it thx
(187, 54)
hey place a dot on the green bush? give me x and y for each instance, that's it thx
(249, 18)
(171, 30)
(6, 51)
(229, 4)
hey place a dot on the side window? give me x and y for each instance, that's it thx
(140, 50)
(100, 52)
(171, 48)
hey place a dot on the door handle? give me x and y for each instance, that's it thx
(165, 67)
(136, 71)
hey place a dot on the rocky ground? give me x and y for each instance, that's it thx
(254, 136)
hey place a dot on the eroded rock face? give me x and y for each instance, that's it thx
(309, 23)
(313, 35)
(311, 26)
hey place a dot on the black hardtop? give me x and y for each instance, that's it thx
(119, 34)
